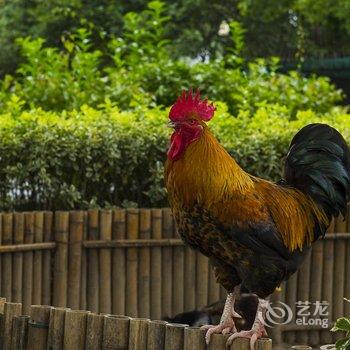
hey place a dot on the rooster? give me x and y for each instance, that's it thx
(256, 233)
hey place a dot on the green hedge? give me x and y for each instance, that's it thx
(106, 157)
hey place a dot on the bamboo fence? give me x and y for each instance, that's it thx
(131, 261)
(55, 328)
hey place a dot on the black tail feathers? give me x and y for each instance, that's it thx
(318, 163)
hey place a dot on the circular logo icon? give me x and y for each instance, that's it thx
(276, 314)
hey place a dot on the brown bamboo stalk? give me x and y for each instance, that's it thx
(291, 299)
(144, 273)
(2, 320)
(214, 287)
(167, 264)
(83, 276)
(38, 327)
(56, 328)
(138, 333)
(116, 332)
(156, 266)
(20, 332)
(190, 279)
(27, 247)
(105, 263)
(75, 330)
(218, 342)
(202, 273)
(76, 229)
(194, 339)
(94, 331)
(46, 283)
(132, 262)
(178, 275)
(118, 263)
(243, 344)
(28, 262)
(275, 332)
(304, 292)
(18, 223)
(339, 274)
(38, 258)
(156, 335)
(61, 259)
(316, 283)
(7, 238)
(327, 282)
(174, 336)
(93, 265)
(10, 311)
(133, 243)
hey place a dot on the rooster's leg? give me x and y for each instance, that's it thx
(258, 328)
(226, 324)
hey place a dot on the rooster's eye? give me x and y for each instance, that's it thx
(192, 121)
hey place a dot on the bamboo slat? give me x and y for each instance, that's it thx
(138, 333)
(94, 330)
(93, 263)
(218, 341)
(38, 259)
(156, 335)
(76, 230)
(118, 263)
(156, 266)
(190, 279)
(10, 311)
(144, 273)
(18, 233)
(75, 330)
(56, 328)
(131, 265)
(116, 332)
(194, 339)
(83, 274)
(29, 221)
(291, 299)
(2, 320)
(47, 260)
(178, 277)
(133, 243)
(167, 264)
(61, 260)
(6, 275)
(38, 327)
(27, 247)
(20, 332)
(174, 336)
(213, 288)
(202, 274)
(105, 293)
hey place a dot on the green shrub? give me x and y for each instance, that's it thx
(106, 157)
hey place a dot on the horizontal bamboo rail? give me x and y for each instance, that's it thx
(133, 243)
(27, 247)
(48, 327)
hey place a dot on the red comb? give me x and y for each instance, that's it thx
(188, 105)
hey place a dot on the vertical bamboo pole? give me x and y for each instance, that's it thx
(156, 335)
(10, 311)
(243, 344)
(20, 332)
(61, 259)
(47, 277)
(156, 266)
(291, 299)
(304, 292)
(202, 273)
(190, 279)
(75, 330)
(275, 332)
(194, 339)
(118, 263)
(138, 333)
(218, 342)
(56, 328)
(327, 282)
(28, 262)
(2, 320)
(76, 229)
(7, 238)
(144, 265)
(167, 265)
(18, 223)
(116, 332)
(93, 266)
(94, 330)
(178, 276)
(83, 277)
(214, 287)
(38, 327)
(38, 258)
(132, 262)
(105, 263)
(174, 336)
(339, 274)
(316, 283)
